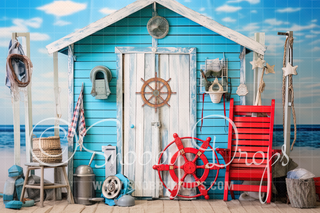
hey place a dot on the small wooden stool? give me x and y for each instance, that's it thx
(42, 187)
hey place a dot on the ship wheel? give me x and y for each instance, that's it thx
(189, 168)
(152, 91)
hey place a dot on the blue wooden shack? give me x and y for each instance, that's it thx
(122, 43)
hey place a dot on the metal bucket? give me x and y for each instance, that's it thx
(83, 185)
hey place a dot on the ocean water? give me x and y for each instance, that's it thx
(7, 139)
(307, 135)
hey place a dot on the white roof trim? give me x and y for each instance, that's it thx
(170, 4)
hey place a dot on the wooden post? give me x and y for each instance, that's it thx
(287, 106)
(243, 73)
(57, 171)
(70, 111)
(259, 37)
(28, 105)
(16, 123)
(28, 111)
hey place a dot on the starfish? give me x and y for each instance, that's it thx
(270, 69)
(257, 63)
(289, 70)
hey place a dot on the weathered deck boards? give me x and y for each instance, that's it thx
(167, 206)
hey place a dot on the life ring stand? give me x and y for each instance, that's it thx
(189, 167)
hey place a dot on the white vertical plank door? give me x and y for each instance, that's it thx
(139, 173)
(129, 114)
(164, 118)
(141, 135)
(147, 143)
(174, 125)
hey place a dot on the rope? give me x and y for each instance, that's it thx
(290, 91)
(262, 85)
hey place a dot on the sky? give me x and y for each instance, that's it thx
(48, 21)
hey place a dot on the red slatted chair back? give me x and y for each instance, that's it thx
(254, 147)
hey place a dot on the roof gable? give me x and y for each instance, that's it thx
(170, 4)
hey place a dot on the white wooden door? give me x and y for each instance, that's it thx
(143, 138)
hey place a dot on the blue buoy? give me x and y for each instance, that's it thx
(132, 126)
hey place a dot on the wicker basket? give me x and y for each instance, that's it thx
(302, 193)
(43, 157)
(47, 143)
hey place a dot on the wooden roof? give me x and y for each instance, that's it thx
(170, 4)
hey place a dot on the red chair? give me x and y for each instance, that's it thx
(250, 156)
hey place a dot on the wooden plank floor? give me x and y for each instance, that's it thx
(158, 206)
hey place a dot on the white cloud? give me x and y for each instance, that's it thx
(298, 34)
(315, 49)
(249, 1)
(250, 27)
(273, 42)
(298, 41)
(202, 9)
(314, 20)
(273, 21)
(315, 42)
(21, 25)
(63, 8)
(315, 32)
(107, 10)
(61, 23)
(34, 22)
(228, 19)
(187, 0)
(296, 27)
(228, 9)
(253, 11)
(39, 37)
(310, 36)
(4, 43)
(288, 10)
(43, 51)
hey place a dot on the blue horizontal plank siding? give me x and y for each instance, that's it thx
(99, 49)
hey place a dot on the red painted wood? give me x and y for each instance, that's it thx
(251, 142)
(250, 148)
(250, 165)
(252, 119)
(252, 125)
(244, 154)
(248, 174)
(251, 137)
(251, 188)
(257, 131)
(253, 130)
(250, 109)
(244, 161)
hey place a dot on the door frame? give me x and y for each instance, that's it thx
(120, 51)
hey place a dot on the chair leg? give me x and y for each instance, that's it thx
(226, 191)
(42, 186)
(24, 185)
(226, 186)
(232, 194)
(70, 196)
